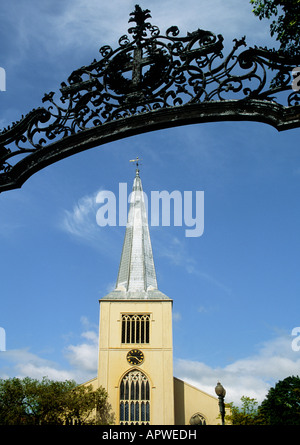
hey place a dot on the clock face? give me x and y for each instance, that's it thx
(135, 357)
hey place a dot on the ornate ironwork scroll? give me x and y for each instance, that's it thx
(150, 81)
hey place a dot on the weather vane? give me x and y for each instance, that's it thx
(137, 163)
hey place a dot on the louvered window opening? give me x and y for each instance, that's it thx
(135, 328)
(135, 399)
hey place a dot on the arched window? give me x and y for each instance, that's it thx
(197, 419)
(135, 328)
(135, 399)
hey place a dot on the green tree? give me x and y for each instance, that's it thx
(12, 408)
(88, 406)
(28, 401)
(285, 25)
(247, 414)
(282, 404)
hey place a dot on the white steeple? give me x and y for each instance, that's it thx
(136, 271)
(137, 277)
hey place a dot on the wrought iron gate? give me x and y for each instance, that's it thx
(151, 81)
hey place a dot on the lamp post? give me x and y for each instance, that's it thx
(220, 391)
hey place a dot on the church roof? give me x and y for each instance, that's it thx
(137, 276)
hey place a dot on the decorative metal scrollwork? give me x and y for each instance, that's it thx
(147, 73)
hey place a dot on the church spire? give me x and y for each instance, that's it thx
(137, 271)
(137, 276)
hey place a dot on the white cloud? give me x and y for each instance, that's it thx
(80, 223)
(87, 324)
(22, 363)
(84, 356)
(109, 20)
(174, 250)
(81, 220)
(82, 359)
(177, 252)
(250, 376)
(79, 24)
(38, 371)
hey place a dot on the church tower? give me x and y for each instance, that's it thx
(135, 333)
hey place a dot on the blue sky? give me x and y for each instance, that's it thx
(235, 289)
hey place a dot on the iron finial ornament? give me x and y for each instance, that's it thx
(139, 17)
(150, 81)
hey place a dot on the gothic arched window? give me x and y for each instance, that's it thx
(135, 399)
(197, 419)
(135, 328)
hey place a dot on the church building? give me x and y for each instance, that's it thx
(135, 340)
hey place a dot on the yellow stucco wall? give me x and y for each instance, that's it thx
(173, 401)
(158, 361)
(190, 400)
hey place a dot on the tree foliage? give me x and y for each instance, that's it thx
(282, 404)
(33, 402)
(247, 414)
(285, 25)
(280, 407)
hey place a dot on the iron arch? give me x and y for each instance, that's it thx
(151, 82)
